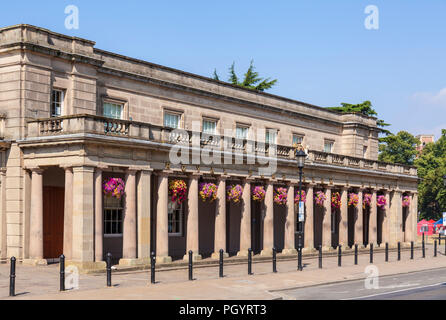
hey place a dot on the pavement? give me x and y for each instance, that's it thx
(42, 283)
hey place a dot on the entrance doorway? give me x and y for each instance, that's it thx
(256, 227)
(53, 220)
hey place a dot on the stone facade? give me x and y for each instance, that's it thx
(79, 147)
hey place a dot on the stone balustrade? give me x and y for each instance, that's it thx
(136, 130)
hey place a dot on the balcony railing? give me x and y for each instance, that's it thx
(136, 130)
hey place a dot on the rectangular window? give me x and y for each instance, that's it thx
(297, 139)
(210, 126)
(171, 120)
(113, 214)
(57, 97)
(364, 152)
(113, 110)
(175, 218)
(271, 136)
(241, 132)
(328, 146)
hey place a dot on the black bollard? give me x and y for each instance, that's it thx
(387, 252)
(152, 267)
(339, 256)
(399, 251)
(274, 260)
(12, 278)
(221, 263)
(320, 257)
(411, 250)
(356, 254)
(191, 276)
(424, 249)
(109, 281)
(249, 261)
(371, 253)
(299, 259)
(62, 273)
(439, 240)
(435, 248)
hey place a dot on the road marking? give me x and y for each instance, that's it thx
(391, 292)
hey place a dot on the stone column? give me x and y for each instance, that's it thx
(326, 224)
(68, 214)
(129, 226)
(220, 220)
(386, 213)
(309, 220)
(373, 220)
(268, 221)
(192, 238)
(245, 223)
(36, 219)
(395, 218)
(162, 233)
(291, 221)
(98, 216)
(413, 217)
(144, 193)
(3, 243)
(343, 224)
(359, 221)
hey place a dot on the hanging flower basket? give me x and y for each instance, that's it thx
(367, 200)
(234, 193)
(381, 201)
(208, 191)
(406, 201)
(280, 196)
(320, 198)
(258, 194)
(302, 197)
(177, 191)
(353, 200)
(336, 200)
(114, 187)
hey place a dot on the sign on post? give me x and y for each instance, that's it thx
(301, 211)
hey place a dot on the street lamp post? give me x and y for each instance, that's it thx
(300, 156)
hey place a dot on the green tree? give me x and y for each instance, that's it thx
(364, 108)
(399, 148)
(431, 165)
(251, 79)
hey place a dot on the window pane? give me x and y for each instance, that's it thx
(113, 110)
(297, 139)
(171, 120)
(209, 126)
(241, 133)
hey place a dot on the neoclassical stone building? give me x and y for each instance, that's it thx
(73, 116)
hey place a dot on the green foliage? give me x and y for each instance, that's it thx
(431, 166)
(251, 79)
(399, 148)
(364, 108)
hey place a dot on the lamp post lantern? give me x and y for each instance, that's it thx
(300, 157)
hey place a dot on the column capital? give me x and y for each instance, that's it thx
(78, 168)
(163, 173)
(248, 180)
(37, 170)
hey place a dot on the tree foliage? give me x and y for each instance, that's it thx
(251, 80)
(431, 165)
(364, 108)
(399, 148)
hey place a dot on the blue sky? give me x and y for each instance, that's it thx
(320, 51)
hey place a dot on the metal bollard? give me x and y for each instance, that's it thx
(62, 273)
(108, 260)
(399, 251)
(356, 254)
(411, 250)
(339, 256)
(274, 260)
(387, 252)
(371, 253)
(424, 249)
(191, 276)
(12, 278)
(152, 267)
(439, 240)
(320, 257)
(435, 248)
(221, 263)
(250, 261)
(299, 259)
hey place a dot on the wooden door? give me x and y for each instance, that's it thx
(53, 220)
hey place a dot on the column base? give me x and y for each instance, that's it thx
(242, 253)
(195, 257)
(134, 262)
(309, 250)
(289, 251)
(328, 248)
(87, 266)
(163, 259)
(35, 262)
(216, 255)
(266, 252)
